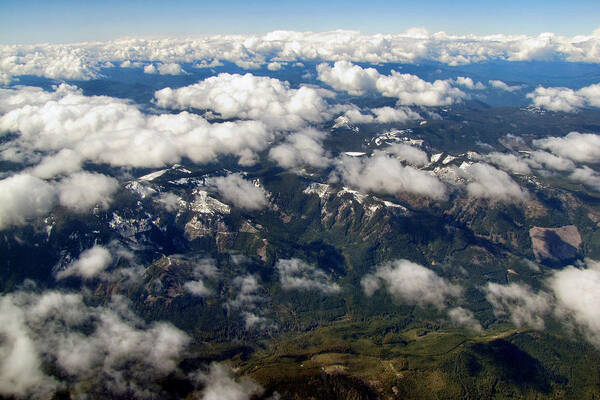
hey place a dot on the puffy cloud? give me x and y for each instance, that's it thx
(251, 97)
(464, 317)
(63, 162)
(274, 66)
(578, 293)
(503, 86)
(383, 174)
(540, 158)
(164, 69)
(84, 190)
(581, 147)
(11, 99)
(89, 265)
(240, 192)
(51, 61)
(509, 162)
(108, 130)
(408, 89)
(489, 182)
(220, 384)
(103, 348)
(248, 292)
(385, 115)
(23, 197)
(204, 269)
(565, 99)
(408, 153)
(411, 283)
(21, 371)
(248, 299)
(468, 83)
(197, 288)
(130, 64)
(587, 176)
(518, 301)
(349, 77)
(295, 274)
(205, 64)
(169, 201)
(301, 149)
(150, 69)
(381, 115)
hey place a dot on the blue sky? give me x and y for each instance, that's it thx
(28, 21)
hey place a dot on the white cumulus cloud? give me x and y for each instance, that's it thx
(82, 191)
(251, 97)
(381, 173)
(408, 153)
(90, 263)
(503, 86)
(297, 274)
(565, 99)
(221, 384)
(488, 182)
(411, 283)
(240, 192)
(408, 89)
(463, 317)
(108, 130)
(580, 147)
(577, 291)
(23, 197)
(520, 303)
(301, 149)
(101, 348)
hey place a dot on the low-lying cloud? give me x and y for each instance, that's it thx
(241, 193)
(411, 283)
(90, 263)
(520, 303)
(220, 384)
(381, 173)
(381, 115)
(23, 197)
(579, 147)
(301, 149)
(488, 182)
(98, 349)
(577, 291)
(295, 274)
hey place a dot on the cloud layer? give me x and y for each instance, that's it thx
(84, 60)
